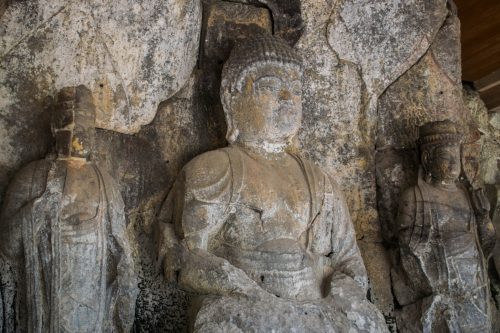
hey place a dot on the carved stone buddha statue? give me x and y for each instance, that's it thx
(260, 236)
(62, 235)
(445, 237)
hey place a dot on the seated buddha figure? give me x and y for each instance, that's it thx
(259, 236)
(62, 236)
(445, 237)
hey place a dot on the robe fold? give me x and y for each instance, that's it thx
(71, 275)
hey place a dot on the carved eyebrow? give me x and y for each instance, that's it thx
(267, 77)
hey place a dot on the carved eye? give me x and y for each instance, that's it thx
(267, 84)
(296, 87)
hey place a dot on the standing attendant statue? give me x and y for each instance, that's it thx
(62, 236)
(260, 236)
(445, 237)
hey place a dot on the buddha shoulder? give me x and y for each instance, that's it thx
(27, 184)
(208, 170)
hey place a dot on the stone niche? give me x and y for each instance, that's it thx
(373, 72)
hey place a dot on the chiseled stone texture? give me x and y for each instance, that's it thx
(354, 50)
(332, 133)
(430, 90)
(384, 37)
(342, 117)
(489, 177)
(131, 54)
(63, 236)
(145, 166)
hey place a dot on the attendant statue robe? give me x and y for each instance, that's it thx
(442, 261)
(63, 238)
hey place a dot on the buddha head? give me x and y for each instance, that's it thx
(261, 92)
(439, 143)
(73, 122)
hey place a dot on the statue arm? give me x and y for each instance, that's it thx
(487, 236)
(405, 221)
(125, 280)
(199, 204)
(485, 227)
(26, 186)
(416, 281)
(17, 207)
(345, 255)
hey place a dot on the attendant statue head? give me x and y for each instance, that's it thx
(73, 122)
(261, 92)
(439, 143)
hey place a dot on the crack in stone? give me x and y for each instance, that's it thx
(31, 33)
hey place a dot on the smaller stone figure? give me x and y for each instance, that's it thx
(62, 236)
(445, 237)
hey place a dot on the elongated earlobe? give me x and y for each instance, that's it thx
(232, 134)
(425, 160)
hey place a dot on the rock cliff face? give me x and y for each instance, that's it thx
(373, 72)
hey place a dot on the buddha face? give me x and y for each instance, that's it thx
(269, 107)
(442, 162)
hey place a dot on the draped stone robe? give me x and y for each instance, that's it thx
(287, 232)
(63, 239)
(447, 288)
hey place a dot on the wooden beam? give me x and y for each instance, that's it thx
(491, 97)
(488, 82)
(480, 37)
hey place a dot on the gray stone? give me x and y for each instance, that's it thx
(332, 135)
(338, 133)
(428, 91)
(132, 55)
(260, 235)
(385, 38)
(347, 129)
(286, 17)
(445, 237)
(488, 174)
(66, 259)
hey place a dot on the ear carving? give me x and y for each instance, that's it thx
(425, 159)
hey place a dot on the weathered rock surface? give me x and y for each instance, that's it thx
(63, 236)
(488, 177)
(247, 217)
(383, 37)
(132, 55)
(353, 51)
(428, 91)
(442, 260)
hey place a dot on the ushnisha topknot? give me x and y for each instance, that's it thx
(254, 50)
(439, 132)
(246, 55)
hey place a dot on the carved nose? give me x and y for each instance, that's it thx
(285, 95)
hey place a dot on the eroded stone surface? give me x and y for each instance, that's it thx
(254, 225)
(132, 55)
(332, 134)
(383, 37)
(489, 176)
(192, 121)
(428, 91)
(66, 259)
(444, 237)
